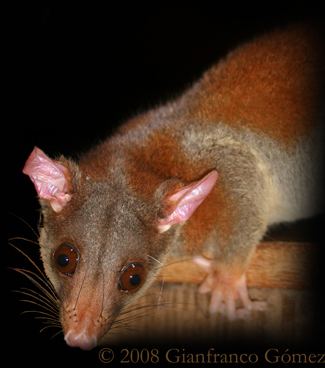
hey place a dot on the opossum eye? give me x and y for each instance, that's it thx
(132, 277)
(66, 258)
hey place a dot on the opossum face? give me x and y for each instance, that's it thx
(102, 247)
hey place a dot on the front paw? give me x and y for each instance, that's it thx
(229, 294)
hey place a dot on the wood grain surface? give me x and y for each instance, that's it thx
(274, 265)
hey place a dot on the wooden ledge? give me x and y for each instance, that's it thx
(275, 265)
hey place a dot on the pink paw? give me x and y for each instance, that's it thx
(229, 294)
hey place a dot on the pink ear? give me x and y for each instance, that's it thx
(49, 177)
(187, 200)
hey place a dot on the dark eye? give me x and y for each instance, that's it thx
(132, 277)
(66, 258)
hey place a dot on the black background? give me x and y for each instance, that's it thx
(76, 73)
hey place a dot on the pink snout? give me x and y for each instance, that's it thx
(81, 340)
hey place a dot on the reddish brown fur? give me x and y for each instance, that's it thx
(215, 213)
(268, 86)
(147, 168)
(98, 168)
(265, 86)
